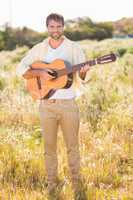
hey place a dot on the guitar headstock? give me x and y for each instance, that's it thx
(106, 58)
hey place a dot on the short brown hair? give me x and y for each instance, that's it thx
(56, 17)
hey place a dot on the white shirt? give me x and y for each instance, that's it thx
(59, 53)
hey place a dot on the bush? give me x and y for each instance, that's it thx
(122, 51)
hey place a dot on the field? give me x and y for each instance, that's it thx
(106, 130)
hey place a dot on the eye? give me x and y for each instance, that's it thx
(51, 26)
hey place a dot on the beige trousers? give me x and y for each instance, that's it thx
(65, 113)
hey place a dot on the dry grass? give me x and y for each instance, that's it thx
(106, 131)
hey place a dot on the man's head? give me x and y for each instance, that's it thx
(56, 17)
(55, 25)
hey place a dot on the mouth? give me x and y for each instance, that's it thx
(56, 33)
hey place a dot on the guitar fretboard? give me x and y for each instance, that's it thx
(75, 68)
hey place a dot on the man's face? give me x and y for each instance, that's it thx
(55, 29)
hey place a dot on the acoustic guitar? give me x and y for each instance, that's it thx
(62, 73)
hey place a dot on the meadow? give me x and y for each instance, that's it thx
(106, 130)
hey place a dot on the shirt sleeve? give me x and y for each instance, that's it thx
(25, 63)
(78, 54)
(79, 57)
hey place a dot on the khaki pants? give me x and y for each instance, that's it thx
(65, 113)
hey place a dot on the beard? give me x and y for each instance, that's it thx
(56, 37)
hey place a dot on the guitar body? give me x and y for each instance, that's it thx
(40, 88)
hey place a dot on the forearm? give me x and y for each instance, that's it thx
(32, 74)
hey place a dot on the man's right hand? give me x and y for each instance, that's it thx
(45, 75)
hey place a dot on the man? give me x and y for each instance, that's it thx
(61, 108)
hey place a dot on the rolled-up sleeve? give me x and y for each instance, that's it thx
(79, 57)
(22, 68)
(78, 54)
(25, 63)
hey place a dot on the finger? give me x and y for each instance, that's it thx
(49, 70)
(50, 76)
(82, 70)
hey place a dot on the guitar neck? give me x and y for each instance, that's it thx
(75, 68)
(101, 60)
(79, 66)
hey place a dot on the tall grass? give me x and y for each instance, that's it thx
(106, 131)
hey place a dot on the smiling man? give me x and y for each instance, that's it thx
(61, 108)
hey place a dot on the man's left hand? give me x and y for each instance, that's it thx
(85, 68)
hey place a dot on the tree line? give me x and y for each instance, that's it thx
(79, 29)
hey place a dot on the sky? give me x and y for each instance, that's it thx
(32, 13)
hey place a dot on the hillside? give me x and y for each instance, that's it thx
(123, 26)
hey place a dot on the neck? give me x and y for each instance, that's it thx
(55, 43)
